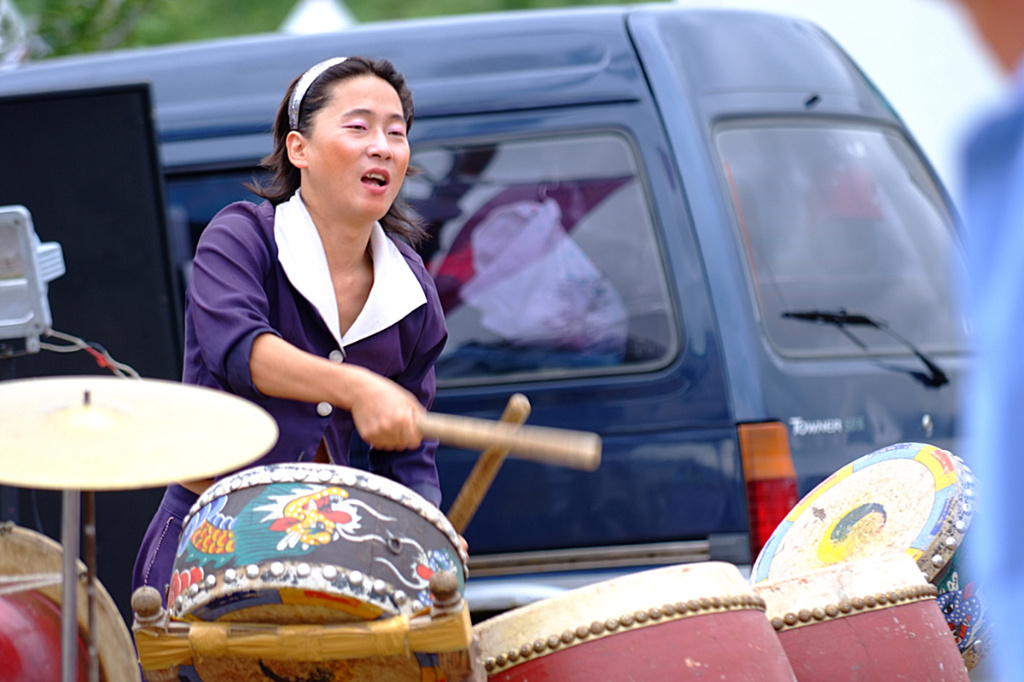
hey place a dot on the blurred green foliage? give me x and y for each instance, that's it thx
(75, 26)
(69, 26)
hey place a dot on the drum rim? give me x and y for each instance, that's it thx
(843, 608)
(114, 643)
(303, 473)
(503, 646)
(880, 581)
(933, 557)
(285, 575)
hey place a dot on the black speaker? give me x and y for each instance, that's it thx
(85, 165)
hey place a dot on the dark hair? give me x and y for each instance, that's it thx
(286, 178)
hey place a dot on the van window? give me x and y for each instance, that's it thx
(840, 218)
(194, 198)
(543, 252)
(544, 256)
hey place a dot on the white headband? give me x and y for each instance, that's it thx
(303, 85)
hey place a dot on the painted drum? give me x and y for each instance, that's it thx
(909, 497)
(861, 621)
(308, 544)
(693, 621)
(30, 620)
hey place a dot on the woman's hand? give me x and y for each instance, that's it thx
(385, 414)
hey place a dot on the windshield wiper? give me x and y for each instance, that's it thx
(843, 319)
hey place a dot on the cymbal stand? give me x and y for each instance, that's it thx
(70, 520)
(74, 502)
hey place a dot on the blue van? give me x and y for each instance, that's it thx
(703, 235)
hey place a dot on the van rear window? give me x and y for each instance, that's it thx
(544, 255)
(841, 219)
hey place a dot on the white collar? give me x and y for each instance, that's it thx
(395, 293)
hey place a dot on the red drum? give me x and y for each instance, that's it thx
(693, 621)
(308, 544)
(862, 621)
(30, 620)
(30, 640)
(909, 498)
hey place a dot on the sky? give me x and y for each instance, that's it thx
(924, 55)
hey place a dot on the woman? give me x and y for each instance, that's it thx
(307, 306)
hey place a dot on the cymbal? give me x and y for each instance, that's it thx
(110, 433)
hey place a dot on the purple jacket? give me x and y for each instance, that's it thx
(239, 290)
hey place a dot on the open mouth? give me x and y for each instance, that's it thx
(377, 179)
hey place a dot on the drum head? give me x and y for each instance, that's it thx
(909, 498)
(303, 543)
(26, 552)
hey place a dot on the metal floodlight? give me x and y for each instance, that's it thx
(26, 267)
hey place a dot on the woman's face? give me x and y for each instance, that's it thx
(355, 153)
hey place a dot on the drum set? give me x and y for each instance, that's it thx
(304, 571)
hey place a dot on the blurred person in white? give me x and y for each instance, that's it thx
(992, 205)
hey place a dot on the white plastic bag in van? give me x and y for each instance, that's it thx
(534, 286)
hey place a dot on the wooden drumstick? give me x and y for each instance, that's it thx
(486, 468)
(563, 447)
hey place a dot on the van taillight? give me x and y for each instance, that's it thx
(771, 478)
